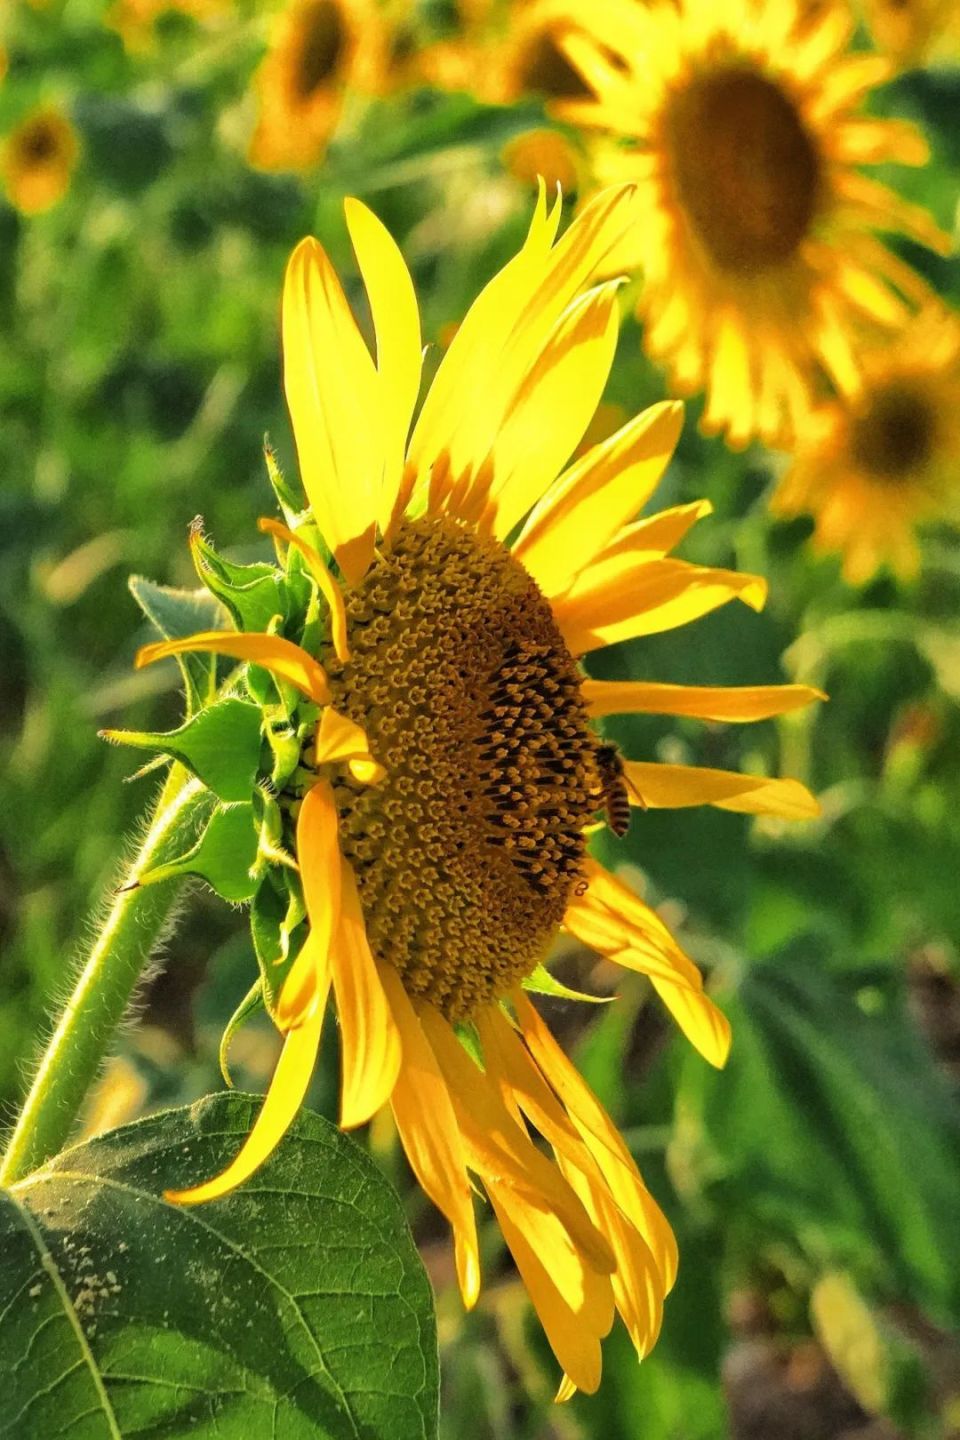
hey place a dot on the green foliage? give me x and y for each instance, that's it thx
(831, 1131)
(220, 744)
(296, 1307)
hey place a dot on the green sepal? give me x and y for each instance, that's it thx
(176, 614)
(291, 503)
(466, 1033)
(224, 855)
(541, 982)
(251, 1003)
(220, 744)
(277, 925)
(253, 594)
(286, 743)
(269, 822)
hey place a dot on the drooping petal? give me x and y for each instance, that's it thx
(497, 1147)
(281, 657)
(284, 1098)
(575, 1344)
(370, 1041)
(332, 391)
(602, 1137)
(396, 321)
(731, 703)
(589, 503)
(677, 786)
(430, 1134)
(318, 856)
(328, 587)
(616, 923)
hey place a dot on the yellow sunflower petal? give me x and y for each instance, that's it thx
(677, 786)
(553, 406)
(497, 1147)
(509, 343)
(396, 321)
(638, 1285)
(575, 1344)
(625, 597)
(430, 1134)
(333, 393)
(328, 587)
(730, 703)
(318, 854)
(281, 657)
(473, 352)
(596, 496)
(339, 738)
(370, 1041)
(699, 1019)
(602, 1137)
(284, 1098)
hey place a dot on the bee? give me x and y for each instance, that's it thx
(616, 791)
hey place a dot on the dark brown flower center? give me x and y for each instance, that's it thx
(545, 70)
(323, 38)
(38, 144)
(466, 853)
(746, 170)
(896, 433)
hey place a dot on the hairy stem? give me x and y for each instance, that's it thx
(127, 937)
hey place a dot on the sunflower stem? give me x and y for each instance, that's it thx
(131, 930)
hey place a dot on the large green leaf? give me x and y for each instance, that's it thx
(296, 1308)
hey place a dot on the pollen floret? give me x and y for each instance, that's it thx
(466, 853)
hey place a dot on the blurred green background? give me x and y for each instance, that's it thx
(814, 1184)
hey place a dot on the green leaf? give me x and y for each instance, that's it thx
(296, 1307)
(223, 856)
(177, 613)
(252, 593)
(220, 745)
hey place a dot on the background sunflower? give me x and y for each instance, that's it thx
(811, 1185)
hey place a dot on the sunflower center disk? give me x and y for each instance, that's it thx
(896, 434)
(745, 167)
(321, 45)
(465, 855)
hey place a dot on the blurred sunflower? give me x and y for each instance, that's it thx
(873, 468)
(38, 159)
(320, 50)
(442, 807)
(508, 52)
(914, 31)
(755, 231)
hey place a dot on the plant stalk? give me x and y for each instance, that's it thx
(132, 928)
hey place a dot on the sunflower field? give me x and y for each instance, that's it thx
(480, 826)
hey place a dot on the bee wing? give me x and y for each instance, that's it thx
(635, 797)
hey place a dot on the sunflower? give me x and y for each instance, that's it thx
(871, 469)
(440, 810)
(914, 31)
(38, 159)
(320, 50)
(506, 53)
(755, 233)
